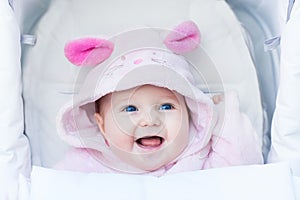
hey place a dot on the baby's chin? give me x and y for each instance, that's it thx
(150, 161)
(150, 155)
(149, 166)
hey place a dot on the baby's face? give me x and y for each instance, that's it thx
(147, 127)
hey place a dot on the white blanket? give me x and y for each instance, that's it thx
(271, 181)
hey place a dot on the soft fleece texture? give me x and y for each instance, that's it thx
(89, 51)
(220, 134)
(184, 38)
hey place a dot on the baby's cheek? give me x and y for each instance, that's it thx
(122, 141)
(182, 133)
(117, 137)
(125, 124)
(176, 133)
(177, 123)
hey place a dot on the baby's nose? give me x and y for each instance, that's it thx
(150, 117)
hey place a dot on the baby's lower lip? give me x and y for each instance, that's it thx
(150, 143)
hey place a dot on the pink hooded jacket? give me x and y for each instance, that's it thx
(220, 135)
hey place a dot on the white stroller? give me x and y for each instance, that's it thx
(260, 62)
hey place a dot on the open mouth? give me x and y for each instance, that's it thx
(150, 142)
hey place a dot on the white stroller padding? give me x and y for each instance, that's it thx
(14, 146)
(286, 126)
(50, 80)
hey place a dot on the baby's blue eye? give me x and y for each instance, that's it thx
(130, 109)
(166, 107)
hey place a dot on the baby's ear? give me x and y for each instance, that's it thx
(100, 121)
(85, 52)
(183, 38)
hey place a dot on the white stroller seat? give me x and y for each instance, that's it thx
(53, 82)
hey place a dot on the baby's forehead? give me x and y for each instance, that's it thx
(156, 91)
(147, 89)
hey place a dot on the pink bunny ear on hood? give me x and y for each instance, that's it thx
(184, 38)
(88, 51)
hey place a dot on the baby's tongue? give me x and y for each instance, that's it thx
(150, 141)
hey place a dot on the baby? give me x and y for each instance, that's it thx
(142, 113)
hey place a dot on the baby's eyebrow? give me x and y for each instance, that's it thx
(124, 99)
(121, 100)
(168, 96)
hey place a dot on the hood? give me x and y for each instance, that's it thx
(155, 65)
